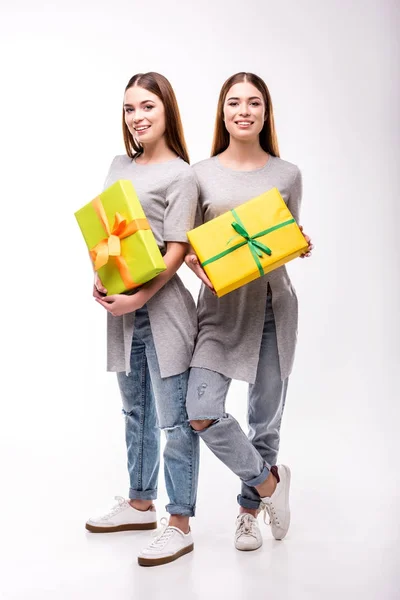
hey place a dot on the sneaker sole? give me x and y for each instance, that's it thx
(127, 527)
(244, 549)
(155, 562)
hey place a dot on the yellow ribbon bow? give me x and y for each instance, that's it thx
(111, 245)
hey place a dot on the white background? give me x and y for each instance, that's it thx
(332, 69)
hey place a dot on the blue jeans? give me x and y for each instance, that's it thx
(250, 457)
(149, 403)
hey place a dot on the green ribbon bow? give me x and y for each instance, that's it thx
(257, 249)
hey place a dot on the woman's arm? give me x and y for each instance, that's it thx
(120, 304)
(294, 205)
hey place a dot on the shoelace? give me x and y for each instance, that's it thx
(121, 504)
(268, 508)
(162, 535)
(246, 526)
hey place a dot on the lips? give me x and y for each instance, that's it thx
(141, 128)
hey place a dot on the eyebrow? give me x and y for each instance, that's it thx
(251, 98)
(144, 102)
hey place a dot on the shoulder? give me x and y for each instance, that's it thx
(204, 166)
(179, 171)
(180, 168)
(206, 170)
(289, 170)
(121, 160)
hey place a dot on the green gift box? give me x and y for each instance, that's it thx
(121, 244)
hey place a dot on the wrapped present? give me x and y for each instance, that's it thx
(247, 242)
(120, 242)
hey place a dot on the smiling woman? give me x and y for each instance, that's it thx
(257, 322)
(151, 114)
(151, 333)
(245, 109)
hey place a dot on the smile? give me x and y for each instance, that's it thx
(142, 128)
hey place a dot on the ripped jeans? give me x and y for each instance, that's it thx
(250, 457)
(149, 403)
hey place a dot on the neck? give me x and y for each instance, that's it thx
(245, 152)
(244, 156)
(156, 152)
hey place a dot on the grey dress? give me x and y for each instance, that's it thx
(230, 328)
(168, 193)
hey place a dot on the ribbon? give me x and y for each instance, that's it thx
(111, 245)
(257, 249)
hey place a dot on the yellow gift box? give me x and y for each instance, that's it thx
(247, 242)
(120, 242)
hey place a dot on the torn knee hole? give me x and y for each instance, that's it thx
(171, 427)
(201, 425)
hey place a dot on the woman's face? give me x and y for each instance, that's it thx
(244, 111)
(144, 115)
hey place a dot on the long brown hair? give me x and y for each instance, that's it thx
(268, 139)
(174, 136)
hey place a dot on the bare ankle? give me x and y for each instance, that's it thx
(141, 504)
(267, 487)
(181, 522)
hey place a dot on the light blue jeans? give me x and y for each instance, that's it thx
(149, 403)
(250, 457)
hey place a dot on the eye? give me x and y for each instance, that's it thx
(128, 110)
(149, 106)
(255, 103)
(233, 103)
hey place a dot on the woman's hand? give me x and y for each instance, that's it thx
(119, 304)
(310, 245)
(193, 263)
(99, 291)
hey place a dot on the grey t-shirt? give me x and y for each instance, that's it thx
(168, 193)
(230, 328)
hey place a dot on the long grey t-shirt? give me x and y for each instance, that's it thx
(230, 328)
(168, 193)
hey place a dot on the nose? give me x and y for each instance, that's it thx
(138, 116)
(244, 110)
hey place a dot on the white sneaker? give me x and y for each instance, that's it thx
(168, 545)
(247, 535)
(123, 517)
(277, 506)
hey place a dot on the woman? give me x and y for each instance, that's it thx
(151, 333)
(249, 334)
